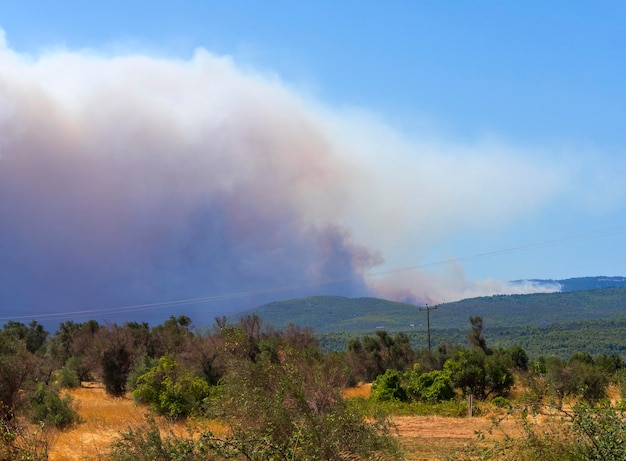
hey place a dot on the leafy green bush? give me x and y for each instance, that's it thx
(388, 386)
(603, 429)
(455, 408)
(51, 409)
(434, 386)
(500, 402)
(67, 377)
(170, 390)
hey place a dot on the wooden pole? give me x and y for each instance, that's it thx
(428, 309)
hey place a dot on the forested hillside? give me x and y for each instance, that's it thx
(332, 314)
(560, 324)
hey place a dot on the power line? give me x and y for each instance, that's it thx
(428, 309)
(240, 294)
(517, 249)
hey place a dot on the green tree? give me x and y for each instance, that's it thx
(34, 336)
(577, 378)
(171, 337)
(480, 374)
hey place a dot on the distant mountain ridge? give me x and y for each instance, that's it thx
(580, 299)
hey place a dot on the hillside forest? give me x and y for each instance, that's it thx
(281, 397)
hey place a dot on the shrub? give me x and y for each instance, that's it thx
(603, 430)
(141, 367)
(292, 409)
(434, 386)
(285, 409)
(146, 443)
(587, 434)
(68, 377)
(80, 365)
(388, 386)
(501, 402)
(115, 352)
(18, 369)
(50, 409)
(170, 390)
(115, 369)
(16, 444)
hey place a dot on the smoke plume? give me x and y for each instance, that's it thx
(134, 179)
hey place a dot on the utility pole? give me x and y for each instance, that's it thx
(428, 309)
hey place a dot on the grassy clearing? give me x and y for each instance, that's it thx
(423, 437)
(103, 418)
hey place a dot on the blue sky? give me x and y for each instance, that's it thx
(508, 114)
(533, 72)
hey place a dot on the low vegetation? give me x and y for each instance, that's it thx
(275, 395)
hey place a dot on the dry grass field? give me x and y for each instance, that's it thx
(104, 417)
(426, 438)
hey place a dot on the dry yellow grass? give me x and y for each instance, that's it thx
(104, 417)
(362, 390)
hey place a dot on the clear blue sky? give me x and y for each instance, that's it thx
(544, 82)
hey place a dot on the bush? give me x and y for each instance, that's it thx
(432, 387)
(115, 363)
(67, 377)
(18, 369)
(146, 443)
(291, 408)
(16, 444)
(388, 386)
(50, 409)
(170, 390)
(501, 402)
(588, 434)
(603, 430)
(141, 367)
